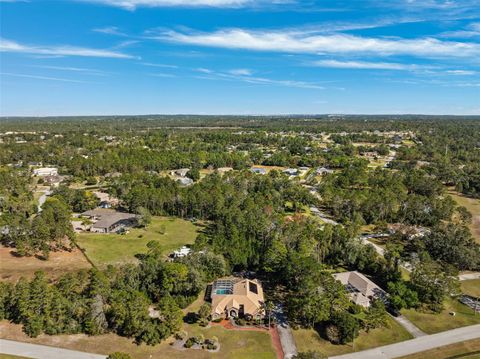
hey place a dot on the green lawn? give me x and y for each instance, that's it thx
(473, 206)
(433, 323)
(465, 350)
(309, 339)
(471, 287)
(234, 344)
(103, 249)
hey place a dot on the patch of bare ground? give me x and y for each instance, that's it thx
(13, 267)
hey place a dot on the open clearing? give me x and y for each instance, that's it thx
(309, 339)
(471, 287)
(473, 206)
(434, 323)
(233, 344)
(466, 350)
(103, 249)
(58, 263)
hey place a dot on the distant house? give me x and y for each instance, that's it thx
(182, 172)
(258, 170)
(53, 181)
(323, 170)
(291, 171)
(185, 181)
(235, 297)
(362, 290)
(109, 220)
(45, 171)
(182, 252)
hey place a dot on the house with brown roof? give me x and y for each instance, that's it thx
(362, 290)
(235, 297)
(109, 220)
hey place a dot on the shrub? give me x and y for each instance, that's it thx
(119, 355)
(189, 343)
(181, 335)
(241, 322)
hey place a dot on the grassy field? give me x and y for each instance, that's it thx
(103, 249)
(473, 206)
(233, 344)
(434, 323)
(309, 339)
(471, 287)
(12, 267)
(465, 350)
(8, 356)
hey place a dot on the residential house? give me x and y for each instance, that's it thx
(323, 170)
(362, 290)
(182, 172)
(45, 171)
(235, 297)
(109, 220)
(258, 170)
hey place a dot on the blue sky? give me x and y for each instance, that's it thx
(100, 57)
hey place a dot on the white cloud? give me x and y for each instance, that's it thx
(241, 72)
(461, 72)
(72, 69)
(366, 65)
(36, 77)
(308, 42)
(228, 76)
(162, 75)
(63, 50)
(133, 4)
(159, 65)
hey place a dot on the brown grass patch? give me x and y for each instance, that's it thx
(12, 267)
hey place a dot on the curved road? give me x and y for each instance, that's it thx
(36, 351)
(416, 345)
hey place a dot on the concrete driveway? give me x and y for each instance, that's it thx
(285, 333)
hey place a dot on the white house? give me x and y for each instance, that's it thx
(45, 171)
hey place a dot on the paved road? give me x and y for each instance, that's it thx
(416, 345)
(42, 199)
(409, 326)
(469, 276)
(36, 351)
(285, 333)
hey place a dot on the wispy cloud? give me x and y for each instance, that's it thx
(167, 66)
(228, 76)
(161, 74)
(110, 30)
(37, 77)
(72, 69)
(240, 72)
(471, 31)
(62, 50)
(368, 65)
(306, 42)
(133, 4)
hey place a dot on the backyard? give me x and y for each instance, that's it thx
(104, 249)
(310, 340)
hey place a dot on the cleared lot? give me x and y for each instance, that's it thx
(13, 267)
